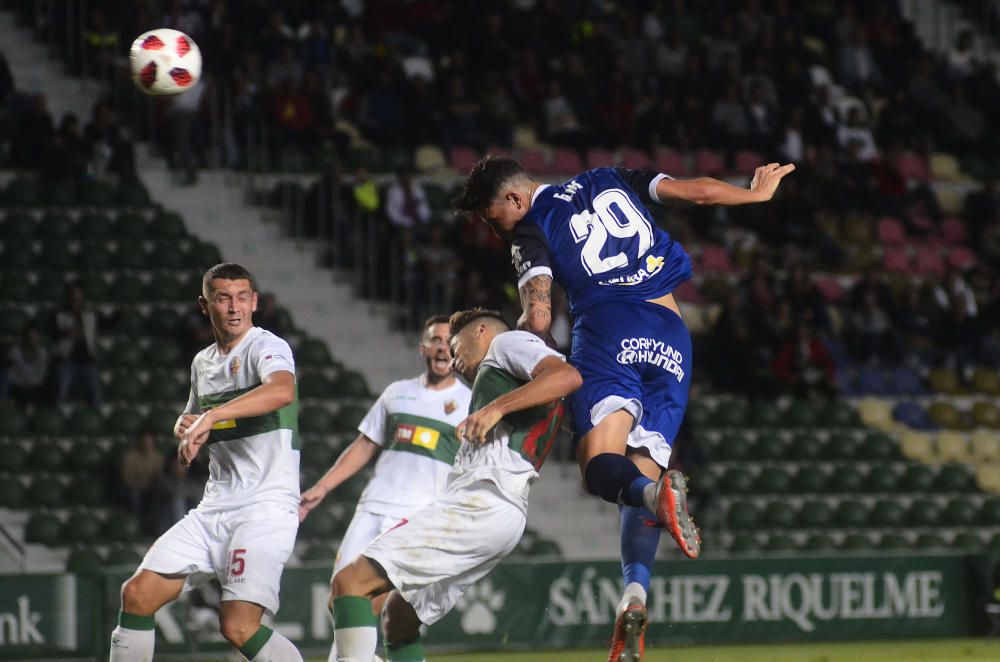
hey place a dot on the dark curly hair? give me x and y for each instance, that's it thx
(484, 182)
(464, 318)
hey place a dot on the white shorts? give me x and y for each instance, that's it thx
(638, 437)
(364, 528)
(246, 549)
(438, 552)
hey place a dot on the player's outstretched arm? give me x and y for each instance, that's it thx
(350, 462)
(711, 191)
(551, 380)
(536, 300)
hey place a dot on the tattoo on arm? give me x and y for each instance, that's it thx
(536, 299)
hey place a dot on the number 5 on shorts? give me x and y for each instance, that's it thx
(238, 564)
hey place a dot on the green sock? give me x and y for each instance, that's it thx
(354, 627)
(410, 651)
(256, 642)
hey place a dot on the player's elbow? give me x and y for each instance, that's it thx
(701, 193)
(572, 379)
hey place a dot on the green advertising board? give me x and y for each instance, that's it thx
(558, 605)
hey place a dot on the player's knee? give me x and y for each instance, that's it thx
(344, 583)
(237, 631)
(607, 474)
(137, 597)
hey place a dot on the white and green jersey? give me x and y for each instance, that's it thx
(515, 449)
(255, 459)
(415, 426)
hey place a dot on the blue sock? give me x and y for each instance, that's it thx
(616, 479)
(640, 537)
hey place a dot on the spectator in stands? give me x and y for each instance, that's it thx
(183, 122)
(74, 326)
(109, 145)
(365, 192)
(33, 135)
(406, 202)
(804, 365)
(961, 59)
(561, 125)
(962, 123)
(178, 490)
(914, 317)
(857, 64)
(27, 369)
(855, 139)
(140, 469)
(871, 331)
(68, 155)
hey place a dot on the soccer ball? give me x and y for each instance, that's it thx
(164, 62)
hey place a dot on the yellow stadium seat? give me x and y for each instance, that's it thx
(950, 198)
(876, 413)
(986, 414)
(953, 447)
(944, 381)
(986, 446)
(525, 138)
(429, 158)
(945, 166)
(945, 415)
(986, 381)
(988, 477)
(917, 446)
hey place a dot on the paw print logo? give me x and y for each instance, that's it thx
(478, 608)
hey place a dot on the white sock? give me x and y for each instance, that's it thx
(332, 657)
(278, 649)
(355, 644)
(649, 497)
(633, 592)
(132, 645)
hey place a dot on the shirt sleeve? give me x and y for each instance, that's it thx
(272, 354)
(373, 425)
(192, 404)
(643, 182)
(520, 352)
(529, 253)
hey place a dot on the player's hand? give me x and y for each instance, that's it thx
(195, 437)
(767, 177)
(310, 499)
(475, 428)
(184, 421)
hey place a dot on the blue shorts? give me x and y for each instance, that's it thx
(634, 356)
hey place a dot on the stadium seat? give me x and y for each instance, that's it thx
(12, 492)
(912, 415)
(985, 414)
(743, 516)
(735, 447)
(84, 561)
(46, 456)
(161, 419)
(896, 260)
(960, 512)
(97, 225)
(598, 157)
(670, 162)
(463, 159)
(313, 353)
(737, 480)
(857, 542)
(731, 413)
(126, 421)
(876, 413)
(535, 160)
(986, 380)
(19, 225)
(125, 354)
(815, 514)
(774, 480)
(872, 381)
(710, 162)
(881, 478)
(319, 553)
(887, 513)
(746, 162)
(928, 261)
(84, 422)
(850, 514)
(87, 457)
(779, 542)
(879, 446)
(819, 542)
(891, 232)
(16, 287)
(810, 480)
(315, 384)
(120, 556)
(83, 527)
(842, 446)
(962, 258)
(944, 414)
(918, 478)
(351, 384)
(918, 446)
(315, 420)
(893, 541)
(985, 446)
(168, 225)
(565, 161)
(88, 489)
(923, 512)
(317, 454)
(913, 166)
(769, 446)
(945, 167)
(799, 413)
(47, 491)
(122, 527)
(699, 414)
(428, 158)
(13, 423)
(967, 540)
(805, 446)
(906, 381)
(845, 481)
(321, 523)
(44, 529)
(953, 447)
(989, 511)
(953, 230)
(635, 159)
(744, 544)
(95, 193)
(988, 477)
(716, 259)
(166, 386)
(944, 381)
(56, 256)
(132, 225)
(929, 541)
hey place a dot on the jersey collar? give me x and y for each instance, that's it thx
(534, 196)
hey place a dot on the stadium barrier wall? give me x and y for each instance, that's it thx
(536, 605)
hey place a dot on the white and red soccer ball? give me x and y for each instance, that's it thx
(164, 62)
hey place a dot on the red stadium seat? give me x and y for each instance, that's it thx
(670, 162)
(922, 223)
(535, 161)
(913, 166)
(709, 162)
(891, 232)
(634, 158)
(746, 162)
(463, 158)
(600, 158)
(498, 150)
(953, 230)
(566, 162)
(961, 258)
(715, 258)
(896, 260)
(688, 292)
(929, 261)
(831, 289)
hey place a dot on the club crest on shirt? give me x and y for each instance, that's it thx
(234, 367)
(449, 407)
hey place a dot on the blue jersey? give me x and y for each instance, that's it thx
(596, 238)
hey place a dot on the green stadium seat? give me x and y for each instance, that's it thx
(730, 413)
(986, 381)
(735, 447)
(16, 286)
(168, 225)
(13, 423)
(842, 446)
(44, 529)
(85, 422)
(88, 489)
(95, 255)
(893, 541)
(132, 225)
(878, 446)
(50, 286)
(770, 446)
(819, 542)
(845, 480)
(738, 480)
(168, 385)
(315, 385)
(131, 254)
(989, 512)
(317, 454)
(125, 354)
(703, 482)
(18, 255)
(743, 516)
(994, 542)
(161, 419)
(312, 353)
(126, 421)
(95, 286)
(800, 414)
(856, 542)
(779, 542)
(123, 557)
(882, 478)
(131, 194)
(887, 512)
(806, 447)
(779, 515)
(815, 514)
(351, 384)
(12, 321)
(699, 415)
(87, 457)
(46, 456)
(810, 480)
(57, 256)
(84, 527)
(968, 540)
(744, 544)
(960, 512)
(766, 415)
(318, 552)
(205, 254)
(12, 492)
(348, 418)
(58, 194)
(315, 420)
(321, 523)
(124, 386)
(47, 492)
(97, 225)
(19, 226)
(58, 225)
(851, 514)
(171, 288)
(171, 255)
(545, 547)
(122, 527)
(918, 478)
(168, 355)
(95, 193)
(923, 512)
(956, 478)
(931, 541)
(774, 480)
(84, 561)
